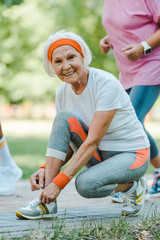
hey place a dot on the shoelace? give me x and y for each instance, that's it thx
(129, 200)
(33, 203)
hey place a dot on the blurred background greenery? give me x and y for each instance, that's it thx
(25, 89)
(24, 30)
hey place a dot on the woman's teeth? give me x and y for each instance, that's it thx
(68, 74)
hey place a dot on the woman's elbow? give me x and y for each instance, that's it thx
(93, 143)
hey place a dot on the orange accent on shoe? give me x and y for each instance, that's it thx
(76, 127)
(61, 180)
(138, 201)
(142, 156)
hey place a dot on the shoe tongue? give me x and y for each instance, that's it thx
(33, 201)
(38, 200)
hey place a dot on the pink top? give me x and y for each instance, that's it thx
(133, 21)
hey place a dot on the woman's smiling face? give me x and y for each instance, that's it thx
(68, 64)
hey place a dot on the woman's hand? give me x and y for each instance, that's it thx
(134, 51)
(37, 180)
(105, 45)
(50, 193)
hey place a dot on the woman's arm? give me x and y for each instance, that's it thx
(53, 166)
(135, 51)
(99, 126)
(105, 45)
(154, 40)
(39, 180)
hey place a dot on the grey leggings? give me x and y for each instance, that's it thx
(105, 169)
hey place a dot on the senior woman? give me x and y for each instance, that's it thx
(96, 121)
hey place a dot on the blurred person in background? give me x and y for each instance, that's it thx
(10, 173)
(133, 32)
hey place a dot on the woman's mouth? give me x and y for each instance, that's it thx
(69, 73)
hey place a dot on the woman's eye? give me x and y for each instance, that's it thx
(71, 57)
(57, 61)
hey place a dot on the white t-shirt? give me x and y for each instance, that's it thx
(104, 93)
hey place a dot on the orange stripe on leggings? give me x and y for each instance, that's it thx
(142, 156)
(97, 156)
(76, 127)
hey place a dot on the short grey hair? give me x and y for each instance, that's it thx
(59, 35)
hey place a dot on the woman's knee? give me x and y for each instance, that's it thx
(60, 133)
(85, 186)
(89, 187)
(64, 115)
(61, 123)
(65, 119)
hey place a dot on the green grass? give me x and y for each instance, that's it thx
(114, 229)
(29, 153)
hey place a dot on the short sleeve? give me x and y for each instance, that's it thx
(57, 102)
(154, 7)
(108, 95)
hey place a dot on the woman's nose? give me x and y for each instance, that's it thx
(66, 65)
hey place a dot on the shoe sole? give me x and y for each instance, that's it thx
(20, 215)
(144, 183)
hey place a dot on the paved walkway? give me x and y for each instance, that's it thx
(72, 207)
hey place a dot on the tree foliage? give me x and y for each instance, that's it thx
(10, 3)
(25, 28)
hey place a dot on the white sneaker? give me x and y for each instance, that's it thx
(37, 210)
(8, 179)
(134, 198)
(117, 198)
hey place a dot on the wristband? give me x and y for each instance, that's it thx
(43, 166)
(61, 180)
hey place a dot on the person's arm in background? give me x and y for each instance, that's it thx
(135, 51)
(105, 45)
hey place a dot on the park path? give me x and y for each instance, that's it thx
(71, 207)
